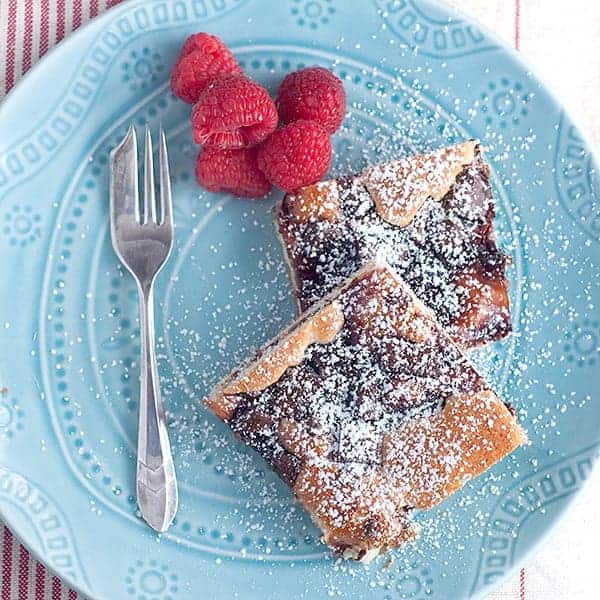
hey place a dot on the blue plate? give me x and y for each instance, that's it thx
(417, 76)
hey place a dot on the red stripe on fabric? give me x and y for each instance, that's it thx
(28, 37)
(76, 13)
(60, 20)
(112, 3)
(11, 41)
(72, 595)
(40, 582)
(23, 574)
(518, 24)
(93, 8)
(44, 27)
(522, 585)
(56, 588)
(7, 540)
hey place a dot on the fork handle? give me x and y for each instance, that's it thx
(156, 483)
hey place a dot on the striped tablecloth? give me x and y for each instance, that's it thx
(553, 36)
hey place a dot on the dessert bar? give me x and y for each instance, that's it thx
(431, 217)
(367, 409)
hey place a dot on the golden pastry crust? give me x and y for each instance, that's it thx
(400, 188)
(319, 201)
(370, 517)
(477, 429)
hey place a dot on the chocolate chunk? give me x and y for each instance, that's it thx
(286, 465)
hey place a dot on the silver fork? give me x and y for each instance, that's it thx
(143, 241)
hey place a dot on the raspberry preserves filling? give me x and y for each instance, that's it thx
(367, 409)
(431, 217)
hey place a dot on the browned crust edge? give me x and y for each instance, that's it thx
(478, 430)
(398, 199)
(287, 253)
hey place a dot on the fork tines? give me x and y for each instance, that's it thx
(126, 203)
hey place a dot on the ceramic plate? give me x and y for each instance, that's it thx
(417, 76)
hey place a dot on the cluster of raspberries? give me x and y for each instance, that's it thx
(236, 122)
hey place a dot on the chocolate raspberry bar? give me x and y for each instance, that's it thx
(367, 409)
(431, 216)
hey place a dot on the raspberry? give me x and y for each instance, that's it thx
(296, 155)
(203, 58)
(233, 112)
(233, 171)
(315, 94)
